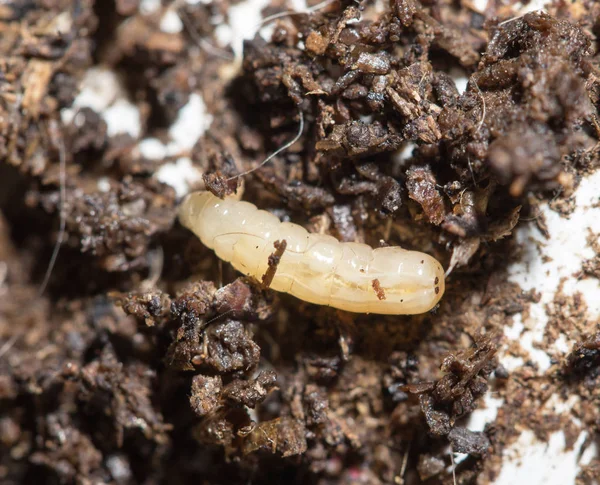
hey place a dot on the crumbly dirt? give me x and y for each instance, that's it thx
(144, 359)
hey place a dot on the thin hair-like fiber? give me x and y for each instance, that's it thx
(289, 13)
(539, 212)
(405, 461)
(156, 260)
(59, 240)
(453, 465)
(483, 108)
(9, 343)
(278, 151)
(201, 42)
(222, 53)
(512, 19)
(218, 316)
(62, 215)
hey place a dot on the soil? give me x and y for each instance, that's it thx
(141, 358)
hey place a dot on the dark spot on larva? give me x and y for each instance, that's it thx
(274, 259)
(437, 290)
(422, 261)
(402, 300)
(437, 280)
(378, 289)
(256, 247)
(362, 270)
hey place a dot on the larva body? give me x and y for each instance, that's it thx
(315, 267)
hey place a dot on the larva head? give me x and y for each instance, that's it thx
(410, 282)
(437, 283)
(191, 207)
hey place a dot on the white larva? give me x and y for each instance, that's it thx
(315, 267)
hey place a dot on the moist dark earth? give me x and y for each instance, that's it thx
(140, 358)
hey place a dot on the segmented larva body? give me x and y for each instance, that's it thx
(314, 267)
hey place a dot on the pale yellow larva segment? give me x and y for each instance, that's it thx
(352, 289)
(191, 212)
(225, 242)
(316, 268)
(255, 247)
(210, 217)
(315, 271)
(296, 238)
